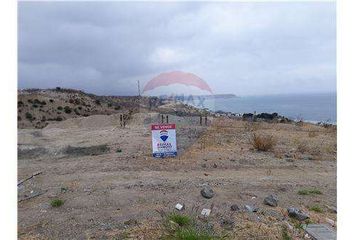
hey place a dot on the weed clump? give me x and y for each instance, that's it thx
(309, 192)
(316, 208)
(263, 142)
(181, 220)
(67, 109)
(56, 202)
(187, 227)
(84, 151)
(29, 116)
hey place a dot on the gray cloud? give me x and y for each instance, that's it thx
(241, 48)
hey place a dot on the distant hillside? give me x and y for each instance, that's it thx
(38, 107)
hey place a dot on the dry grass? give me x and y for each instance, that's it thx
(251, 126)
(313, 134)
(302, 147)
(263, 142)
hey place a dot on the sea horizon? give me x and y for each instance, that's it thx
(309, 107)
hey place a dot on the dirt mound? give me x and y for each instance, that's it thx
(100, 121)
(94, 121)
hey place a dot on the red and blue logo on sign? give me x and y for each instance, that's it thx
(163, 135)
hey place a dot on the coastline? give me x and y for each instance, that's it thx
(316, 108)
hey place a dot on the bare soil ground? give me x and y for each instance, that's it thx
(113, 188)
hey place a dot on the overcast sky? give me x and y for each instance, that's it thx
(240, 48)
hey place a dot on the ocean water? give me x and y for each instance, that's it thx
(308, 107)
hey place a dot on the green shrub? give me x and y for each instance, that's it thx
(316, 208)
(192, 234)
(29, 116)
(56, 202)
(187, 227)
(60, 108)
(67, 109)
(309, 192)
(181, 220)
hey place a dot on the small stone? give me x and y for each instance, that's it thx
(179, 207)
(271, 200)
(207, 192)
(235, 207)
(204, 165)
(307, 158)
(206, 212)
(215, 165)
(289, 160)
(227, 224)
(298, 214)
(251, 208)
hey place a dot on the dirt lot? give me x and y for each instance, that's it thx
(114, 189)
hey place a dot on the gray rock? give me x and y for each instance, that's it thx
(320, 232)
(227, 223)
(271, 200)
(307, 158)
(207, 192)
(298, 214)
(235, 207)
(251, 208)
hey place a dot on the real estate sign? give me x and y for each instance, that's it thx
(164, 140)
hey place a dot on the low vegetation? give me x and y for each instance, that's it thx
(309, 192)
(316, 208)
(29, 116)
(263, 142)
(56, 202)
(67, 109)
(285, 234)
(84, 151)
(181, 220)
(187, 227)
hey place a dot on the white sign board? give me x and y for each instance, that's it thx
(164, 140)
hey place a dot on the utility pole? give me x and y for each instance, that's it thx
(139, 88)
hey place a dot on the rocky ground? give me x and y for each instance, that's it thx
(112, 188)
